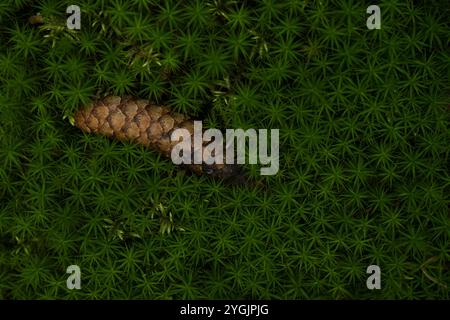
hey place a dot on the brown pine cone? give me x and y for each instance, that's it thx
(130, 119)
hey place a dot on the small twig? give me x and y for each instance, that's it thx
(422, 267)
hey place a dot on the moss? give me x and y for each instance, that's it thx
(363, 118)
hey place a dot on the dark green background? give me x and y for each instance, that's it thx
(364, 144)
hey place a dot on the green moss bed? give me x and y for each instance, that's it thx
(364, 145)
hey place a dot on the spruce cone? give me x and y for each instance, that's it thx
(130, 119)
